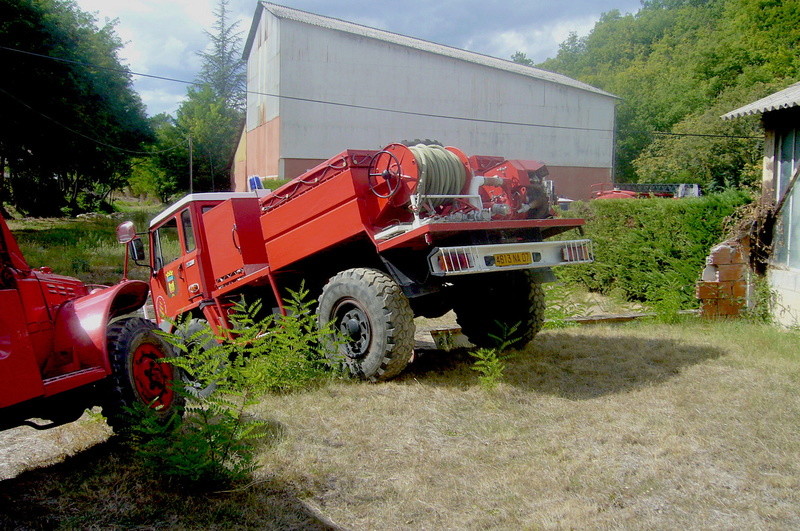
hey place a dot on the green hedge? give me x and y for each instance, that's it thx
(649, 249)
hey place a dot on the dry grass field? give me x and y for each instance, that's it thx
(638, 426)
(641, 426)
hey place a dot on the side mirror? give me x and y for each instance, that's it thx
(135, 249)
(126, 232)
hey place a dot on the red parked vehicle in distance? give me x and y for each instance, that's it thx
(378, 237)
(66, 346)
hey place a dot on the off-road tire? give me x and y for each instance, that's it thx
(487, 304)
(136, 375)
(370, 310)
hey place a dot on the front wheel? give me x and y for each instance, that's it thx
(374, 319)
(138, 371)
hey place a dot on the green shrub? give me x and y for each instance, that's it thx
(643, 246)
(214, 439)
(764, 301)
(563, 303)
(490, 367)
(490, 362)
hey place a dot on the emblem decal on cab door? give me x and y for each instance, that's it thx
(172, 287)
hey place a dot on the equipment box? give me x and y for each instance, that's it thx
(233, 231)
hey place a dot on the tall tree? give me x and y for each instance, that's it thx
(521, 58)
(69, 112)
(223, 68)
(208, 122)
(678, 65)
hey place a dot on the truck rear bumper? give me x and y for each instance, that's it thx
(471, 259)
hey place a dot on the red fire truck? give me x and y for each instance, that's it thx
(378, 237)
(65, 346)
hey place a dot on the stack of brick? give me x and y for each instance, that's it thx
(723, 288)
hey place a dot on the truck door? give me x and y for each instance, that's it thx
(176, 269)
(192, 269)
(20, 379)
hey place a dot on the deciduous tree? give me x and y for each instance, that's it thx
(70, 115)
(678, 65)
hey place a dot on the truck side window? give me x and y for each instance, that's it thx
(167, 245)
(188, 233)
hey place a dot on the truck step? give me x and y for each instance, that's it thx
(65, 382)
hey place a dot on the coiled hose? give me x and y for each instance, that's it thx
(440, 173)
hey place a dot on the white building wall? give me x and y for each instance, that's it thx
(324, 64)
(782, 158)
(265, 79)
(785, 286)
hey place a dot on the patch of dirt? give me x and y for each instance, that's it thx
(25, 448)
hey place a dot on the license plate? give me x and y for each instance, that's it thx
(512, 259)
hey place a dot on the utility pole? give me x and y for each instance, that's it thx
(191, 174)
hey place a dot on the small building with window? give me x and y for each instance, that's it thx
(780, 114)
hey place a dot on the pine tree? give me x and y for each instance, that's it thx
(211, 117)
(223, 68)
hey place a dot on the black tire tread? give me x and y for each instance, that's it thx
(509, 303)
(396, 311)
(120, 393)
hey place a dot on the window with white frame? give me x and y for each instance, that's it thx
(786, 250)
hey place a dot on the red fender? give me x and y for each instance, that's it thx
(81, 323)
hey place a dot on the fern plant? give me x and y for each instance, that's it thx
(490, 362)
(215, 440)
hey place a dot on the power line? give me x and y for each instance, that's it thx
(666, 133)
(312, 100)
(82, 135)
(367, 107)
(91, 65)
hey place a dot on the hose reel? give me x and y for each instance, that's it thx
(440, 173)
(397, 172)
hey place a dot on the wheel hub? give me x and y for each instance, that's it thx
(354, 325)
(151, 376)
(353, 328)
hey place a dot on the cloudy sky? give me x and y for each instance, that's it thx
(163, 36)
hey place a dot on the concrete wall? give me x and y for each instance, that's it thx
(785, 284)
(262, 127)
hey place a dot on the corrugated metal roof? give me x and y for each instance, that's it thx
(784, 99)
(411, 42)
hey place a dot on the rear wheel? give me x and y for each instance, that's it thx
(372, 315)
(139, 374)
(490, 304)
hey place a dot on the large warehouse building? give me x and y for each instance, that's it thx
(318, 85)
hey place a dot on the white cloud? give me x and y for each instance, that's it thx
(537, 43)
(162, 99)
(160, 38)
